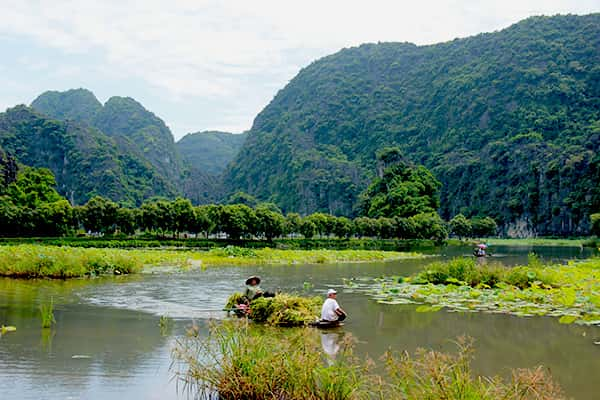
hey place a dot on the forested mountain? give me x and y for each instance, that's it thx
(84, 161)
(205, 156)
(508, 121)
(210, 151)
(144, 159)
(135, 130)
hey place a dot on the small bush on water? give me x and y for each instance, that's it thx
(241, 361)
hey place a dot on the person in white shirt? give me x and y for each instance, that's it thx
(331, 310)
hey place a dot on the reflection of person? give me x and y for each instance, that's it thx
(330, 343)
(331, 310)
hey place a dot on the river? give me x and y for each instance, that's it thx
(107, 343)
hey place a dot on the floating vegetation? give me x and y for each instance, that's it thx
(569, 292)
(281, 310)
(245, 361)
(47, 314)
(6, 329)
(38, 261)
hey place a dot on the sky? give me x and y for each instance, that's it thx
(214, 65)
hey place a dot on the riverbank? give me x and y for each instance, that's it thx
(41, 261)
(569, 292)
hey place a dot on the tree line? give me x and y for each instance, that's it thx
(30, 206)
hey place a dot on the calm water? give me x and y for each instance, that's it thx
(107, 341)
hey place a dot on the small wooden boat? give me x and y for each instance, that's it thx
(326, 324)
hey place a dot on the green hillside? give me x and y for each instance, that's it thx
(84, 161)
(210, 151)
(508, 121)
(134, 129)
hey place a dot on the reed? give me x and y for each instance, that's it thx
(242, 361)
(47, 314)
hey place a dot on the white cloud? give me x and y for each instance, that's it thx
(239, 52)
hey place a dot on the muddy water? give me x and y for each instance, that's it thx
(107, 342)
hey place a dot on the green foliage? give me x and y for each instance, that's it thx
(31, 205)
(99, 215)
(401, 191)
(483, 227)
(461, 226)
(506, 121)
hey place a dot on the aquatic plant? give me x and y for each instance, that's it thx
(47, 314)
(570, 292)
(246, 361)
(165, 324)
(5, 329)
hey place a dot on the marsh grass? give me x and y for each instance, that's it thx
(37, 261)
(239, 361)
(242, 361)
(47, 314)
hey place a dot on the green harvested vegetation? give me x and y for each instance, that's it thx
(34, 261)
(569, 292)
(281, 310)
(241, 361)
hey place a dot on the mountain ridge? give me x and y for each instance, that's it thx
(481, 112)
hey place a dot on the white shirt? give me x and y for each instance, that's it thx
(328, 310)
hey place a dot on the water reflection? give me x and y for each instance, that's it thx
(331, 343)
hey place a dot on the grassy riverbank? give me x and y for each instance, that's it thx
(569, 292)
(36, 261)
(243, 361)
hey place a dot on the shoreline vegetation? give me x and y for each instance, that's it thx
(569, 292)
(241, 360)
(154, 242)
(39, 261)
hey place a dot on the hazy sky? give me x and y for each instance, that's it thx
(203, 64)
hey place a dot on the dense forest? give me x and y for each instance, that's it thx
(509, 122)
(31, 206)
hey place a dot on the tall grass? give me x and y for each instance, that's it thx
(238, 361)
(47, 314)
